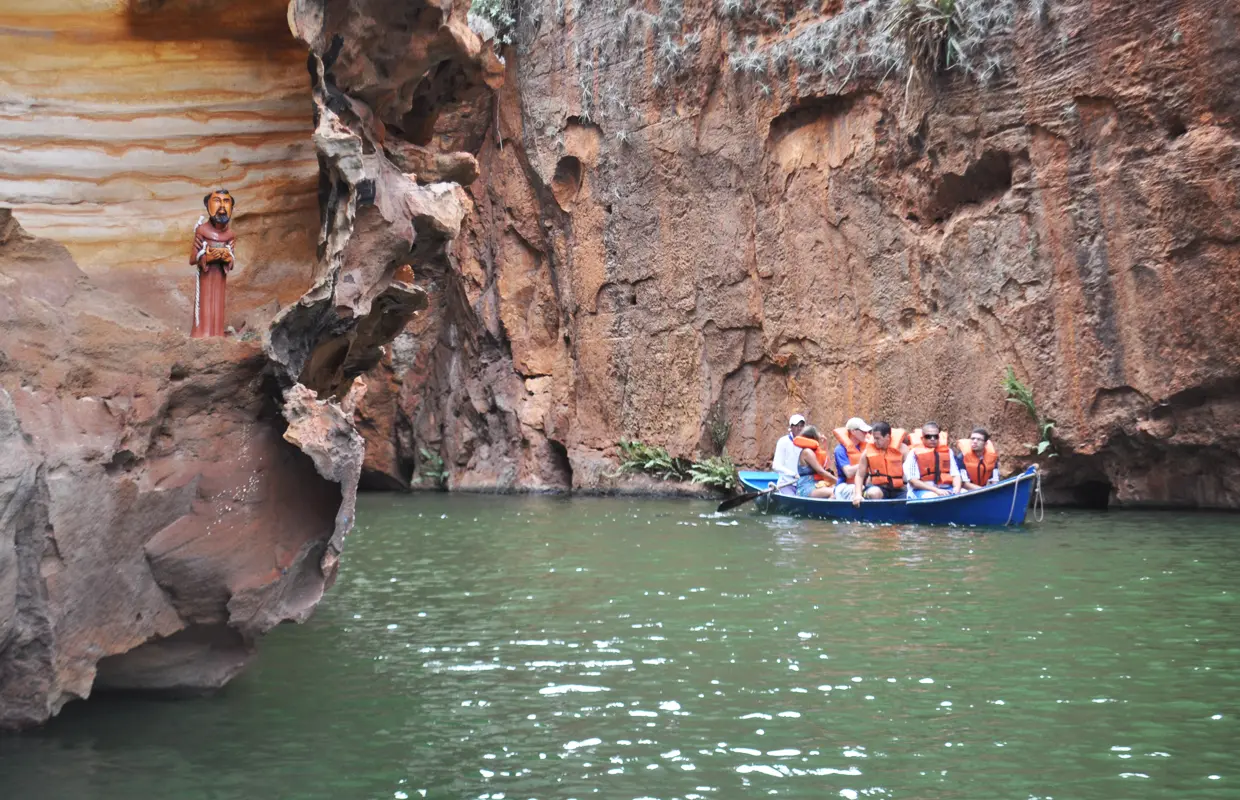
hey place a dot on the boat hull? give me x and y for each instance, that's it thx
(1003, 503)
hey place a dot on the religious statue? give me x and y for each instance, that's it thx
(212, 255)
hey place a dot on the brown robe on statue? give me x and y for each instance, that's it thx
(212, 279)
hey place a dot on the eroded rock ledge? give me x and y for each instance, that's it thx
(166, 501)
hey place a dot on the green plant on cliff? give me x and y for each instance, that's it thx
(935, 36)
(1022, 395)
(716, 471)
(432, 469)
(652, 460)
(871, 40)
(926, 29)
(717, 426)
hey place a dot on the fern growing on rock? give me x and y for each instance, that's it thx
(717, 472)
(1022, 395)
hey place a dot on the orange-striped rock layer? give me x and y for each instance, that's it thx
(118, 116)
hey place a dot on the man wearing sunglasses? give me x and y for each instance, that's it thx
(930, 469)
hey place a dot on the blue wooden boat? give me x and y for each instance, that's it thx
(1002, 503)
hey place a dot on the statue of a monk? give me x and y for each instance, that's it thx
(212, 255)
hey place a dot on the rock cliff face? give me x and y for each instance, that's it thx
(154, 520)
(165, 501)
(119, 115)
(752, 208)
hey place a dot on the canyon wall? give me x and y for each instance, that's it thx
(747, 209)
(166, 501)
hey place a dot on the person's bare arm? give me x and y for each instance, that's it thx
(808, 459)
(863, 469)
(818, 468)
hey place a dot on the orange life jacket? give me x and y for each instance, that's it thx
(812, 444)
(934, 464)
(854, 455)
(886, 466)
(978, 470)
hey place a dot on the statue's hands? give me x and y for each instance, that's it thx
(218, 255)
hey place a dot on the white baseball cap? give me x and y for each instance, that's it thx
(856, 424)
(795, 419)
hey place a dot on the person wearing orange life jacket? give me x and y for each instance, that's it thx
(851, 440)
(930, 468)
(880, 472)
(810, 466)
(978, 460)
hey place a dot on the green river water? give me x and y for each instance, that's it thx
(533, 647)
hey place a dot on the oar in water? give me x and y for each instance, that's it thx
(741, 499)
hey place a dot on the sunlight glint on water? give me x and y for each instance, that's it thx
(493, 647)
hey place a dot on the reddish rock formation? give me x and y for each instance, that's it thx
(165, 501)
(686, 211)
(155, 521)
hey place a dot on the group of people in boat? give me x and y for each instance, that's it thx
(877, 462)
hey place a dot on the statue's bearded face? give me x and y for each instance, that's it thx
(219, 207)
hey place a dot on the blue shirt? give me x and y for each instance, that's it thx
(841, 461)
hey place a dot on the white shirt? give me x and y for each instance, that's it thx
(912, 470)
(787, 457)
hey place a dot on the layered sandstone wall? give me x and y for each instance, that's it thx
(117, 116)
(684, 210)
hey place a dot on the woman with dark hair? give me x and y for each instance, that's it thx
(810, 467)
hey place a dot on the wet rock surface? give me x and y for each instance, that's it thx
(684, 212)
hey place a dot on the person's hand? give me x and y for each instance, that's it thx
(941, 492)
(856, 500)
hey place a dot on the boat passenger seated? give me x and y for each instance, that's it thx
(978, 460)
(852, 438)
(880, 472)
(811, 469)
(930, 469)
(787, 456)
